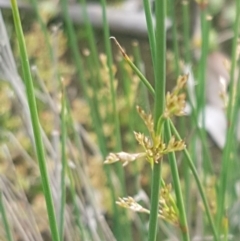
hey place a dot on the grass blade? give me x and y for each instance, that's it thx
(35, 123)
(5, 220)
(159, 103)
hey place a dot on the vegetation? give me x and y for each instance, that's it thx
(92, 149)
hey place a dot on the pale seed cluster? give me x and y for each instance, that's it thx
(167, 206)
(130, 203)
(175, 101)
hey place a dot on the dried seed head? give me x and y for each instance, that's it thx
(167, 206)
(130, 203)
(143, 140)
(174, 145)
(182, 81)
(147, 118)
(123, 157)
(175, 101)
(223, 92)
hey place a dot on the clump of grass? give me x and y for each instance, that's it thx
(154, 150)
(86, 192)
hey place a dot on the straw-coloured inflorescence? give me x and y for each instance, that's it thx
(154, 148)
(167, 205)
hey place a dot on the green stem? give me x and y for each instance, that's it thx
(134, 67)
(231, 116)
(90, 37)
(64, 164)
(35, 123)
(198, 182)
(155, 188)
(186, 31)
(160, 62)
(5, 220)
(140, 65)
(203, 61)
(177, 187)
(151, 34)
(159, 103)
(171, 5)
(205, 26)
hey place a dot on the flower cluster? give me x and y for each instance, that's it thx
(154, 148)
(123, 157)
(167, 205)
(130, 203)
(153, 145)
(175, 101)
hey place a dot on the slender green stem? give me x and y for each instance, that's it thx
(160, 62)
(231, 116)
(75, 205)
(177, 188)
(139, 64)
(205, 23)
(203, 60)
(171, 6)
(77, 140)
(198, 182)
(159, 103)
(202, 136)
(186, 31)
(151, 34)
(134, 67)
(64, 164)
(90, 36)
(35, 122)
(155, 188)
(4, 219)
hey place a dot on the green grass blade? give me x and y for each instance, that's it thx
(159, 103)
(35, 122)
(64, 164)
(171, 5)
(186, 31)
(231, 117)
(134, 67)
(4, 219)
(90, 37)
(151, 34)
(198, 182)
(177, 188)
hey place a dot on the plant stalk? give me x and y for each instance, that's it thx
(35, 122)
(159, 103)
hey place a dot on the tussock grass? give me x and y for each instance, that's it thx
(77, 110)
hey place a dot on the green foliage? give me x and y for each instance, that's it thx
(74, 109)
